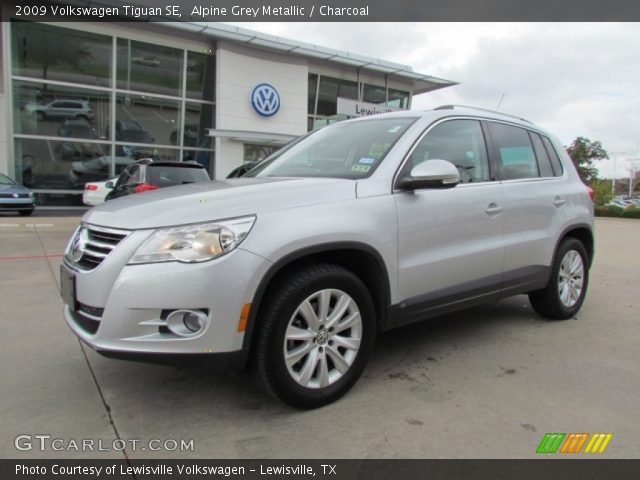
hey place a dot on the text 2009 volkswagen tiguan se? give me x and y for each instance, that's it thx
(354, 229)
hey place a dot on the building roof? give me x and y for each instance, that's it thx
(421, 82)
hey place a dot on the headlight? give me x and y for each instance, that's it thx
(193, 243)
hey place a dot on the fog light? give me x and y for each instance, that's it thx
(193, 322)
(187, 323)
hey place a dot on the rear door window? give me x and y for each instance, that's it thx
(516, 158)
(134, 175)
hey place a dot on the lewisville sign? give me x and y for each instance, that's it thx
(355, 108)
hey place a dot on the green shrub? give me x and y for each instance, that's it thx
(632, 212)
(608, 211)
(617, 212)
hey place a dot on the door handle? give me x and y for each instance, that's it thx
(558, 202)
(493, 209)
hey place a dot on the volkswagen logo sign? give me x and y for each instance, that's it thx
(265, 100)
(78, 245)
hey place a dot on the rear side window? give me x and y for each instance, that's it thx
(124, 177)
(165, 176)
(553, 155)
(516, 157)
(134, 175)
(544, 162)
(459, 141)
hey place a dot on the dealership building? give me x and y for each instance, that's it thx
(81, 101)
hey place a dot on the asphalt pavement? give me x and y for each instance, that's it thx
(488, 382)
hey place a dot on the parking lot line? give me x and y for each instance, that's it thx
(31, 257)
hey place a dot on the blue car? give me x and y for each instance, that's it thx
(14, 197)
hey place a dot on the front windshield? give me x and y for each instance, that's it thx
(349, 150)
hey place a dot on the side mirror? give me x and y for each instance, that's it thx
(110, 185)
(431, 174)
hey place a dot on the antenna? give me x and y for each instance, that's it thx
(500, 102)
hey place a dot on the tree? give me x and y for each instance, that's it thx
(601, 191)
(584, 152)
(44, 47)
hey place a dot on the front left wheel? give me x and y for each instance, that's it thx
(315, 336)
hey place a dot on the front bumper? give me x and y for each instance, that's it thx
(17, 205)
(214, 362)
(121, 309)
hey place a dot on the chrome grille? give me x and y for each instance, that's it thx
(12, 195)
(91, 245)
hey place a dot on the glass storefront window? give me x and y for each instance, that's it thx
(145, 119)
(201, 69)
(313, 87)
(166, 155)
(203, 157)
(145, 67)
(374, 94)
(62, 165)
(330, 90)
(198, 119)
(53, 110)
(64, 134)
(63, 54)
(257, 153)
(398, 99)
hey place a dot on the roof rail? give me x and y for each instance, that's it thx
(471, 107)
(144, 161)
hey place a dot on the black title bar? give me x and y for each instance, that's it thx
(547, 469)
(324, 10)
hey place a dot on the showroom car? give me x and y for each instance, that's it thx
(14, 197)
(96, 169)
(359, 227)
(63, 108)
(95, 192)
(78, 128)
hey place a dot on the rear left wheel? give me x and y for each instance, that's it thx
(315, 336)
(563, 296)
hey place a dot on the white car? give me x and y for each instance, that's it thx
(146, 60)
(95, 192)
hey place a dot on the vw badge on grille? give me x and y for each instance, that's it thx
(265, 100)
(79, 244)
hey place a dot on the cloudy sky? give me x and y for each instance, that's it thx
(574, 79)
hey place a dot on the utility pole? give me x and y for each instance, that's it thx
(614, 158)
(613, 176)
(632, 174)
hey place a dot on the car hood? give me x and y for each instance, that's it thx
(13, 189)
(202, 202)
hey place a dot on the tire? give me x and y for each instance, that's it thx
(350, 316)
(40, 116)
(555, 301)
(26, 213)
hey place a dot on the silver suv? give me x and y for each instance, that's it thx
(355, 228)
